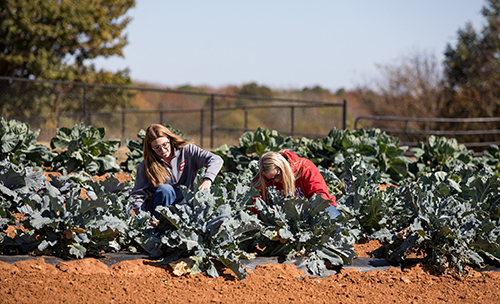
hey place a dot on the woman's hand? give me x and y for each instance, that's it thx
(154, 223)
(207, 183)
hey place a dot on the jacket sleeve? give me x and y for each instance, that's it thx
(140, 192)
(312, 183)
(204, 158)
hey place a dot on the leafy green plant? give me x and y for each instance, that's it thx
(17, 145)
(453, 223)
(297, 227)
(441, 230)
(372, 146)
(84, 150)
(211, 227)
(252, 146)
(58, 220)
(375, 147)
(136, 154)
(336, 186)
(369, 211)
(482, 192)
(440, 154)
(490, 157)
(214, 229)
(18, 186)
(445, 205)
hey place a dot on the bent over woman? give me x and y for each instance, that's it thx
(169, 161)
(292, 175)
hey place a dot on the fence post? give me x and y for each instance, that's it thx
(212, 105)
(344, 115)
(85, 110)
(58, 113)
(246, 119)
(405, 129)
(123, 126)
(201, 128)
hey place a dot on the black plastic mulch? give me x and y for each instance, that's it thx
(110, 259)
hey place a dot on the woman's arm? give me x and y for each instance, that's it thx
(204, 158)
(140, 191)
(312, 182)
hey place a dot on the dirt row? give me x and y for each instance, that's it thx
(145, 281)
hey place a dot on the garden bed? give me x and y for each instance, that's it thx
(443, 204)
(144, 281)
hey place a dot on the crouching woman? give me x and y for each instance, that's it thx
(169, 162)
(293, 175)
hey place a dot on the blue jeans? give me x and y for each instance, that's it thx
(333, 211)
(165, 195)
(333, 214)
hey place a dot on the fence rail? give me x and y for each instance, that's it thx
(483, 137)
(86, 99)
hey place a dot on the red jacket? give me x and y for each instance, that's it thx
(310, 181)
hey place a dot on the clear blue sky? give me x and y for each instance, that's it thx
(284, 44)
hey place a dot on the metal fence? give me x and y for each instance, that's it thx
(208, 119)
(474, 133)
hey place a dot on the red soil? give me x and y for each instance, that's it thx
(143, 281)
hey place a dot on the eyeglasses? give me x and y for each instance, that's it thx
(277, 175)
(164, 145)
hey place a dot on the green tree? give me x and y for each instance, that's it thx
(190, 88)
(472, 68)
(316, 89)
(315, 93)
(254, 89)
(57, 40)
(411, 86)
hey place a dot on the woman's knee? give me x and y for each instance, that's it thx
(165, 190)
(165, 195)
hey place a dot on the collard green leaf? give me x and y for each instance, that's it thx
(8, 143)
(330, 256)
(315, 264)
(212, 270)
(45, 244)
(37, 221)
(232, 262)
(77, 250)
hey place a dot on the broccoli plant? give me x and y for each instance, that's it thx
(84, 150)
(298, 227)
(211, 227)
(18, 145)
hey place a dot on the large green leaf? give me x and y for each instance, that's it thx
(8, 143)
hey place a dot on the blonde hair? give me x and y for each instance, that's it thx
(271, 160)
(156, 171)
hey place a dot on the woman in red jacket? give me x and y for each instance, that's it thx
(292, 175)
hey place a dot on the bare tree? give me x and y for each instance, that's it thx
(412, 86)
